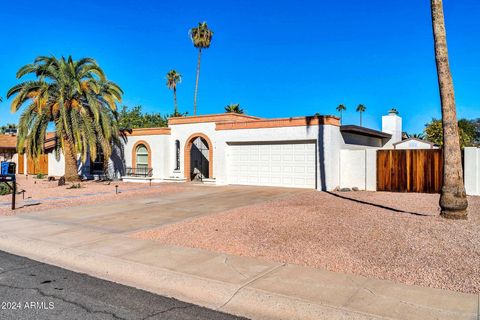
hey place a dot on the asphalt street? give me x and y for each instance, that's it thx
(34, 290)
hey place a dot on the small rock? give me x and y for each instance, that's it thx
(345, 189)
(51, 178)
(61, 181)
(355, 189)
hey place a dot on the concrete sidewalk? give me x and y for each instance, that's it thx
(237, 285)
(243, 286)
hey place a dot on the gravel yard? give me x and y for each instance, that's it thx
(392, 236)
(49, 195)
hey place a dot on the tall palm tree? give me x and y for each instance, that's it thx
(340, 109)
(80, 102)
(453, 200)
(234, 108)
(174, 78)
(201, 37)
(361, 109)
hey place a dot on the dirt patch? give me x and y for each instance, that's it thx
(392, 236)
(42, 194)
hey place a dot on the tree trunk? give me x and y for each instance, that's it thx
(175, 112)
(71, 165)
(453, 200)
(360, 118)
(196, 83)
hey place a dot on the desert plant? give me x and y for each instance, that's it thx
(201, 37)
(361, 109)
(234, 108)
(453, 199)
(341, 108)
(174, 78)
(77, 98)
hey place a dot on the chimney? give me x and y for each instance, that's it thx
(392, 124)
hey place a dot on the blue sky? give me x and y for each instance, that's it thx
(277, 59)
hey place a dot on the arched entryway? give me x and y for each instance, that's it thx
(198, 157)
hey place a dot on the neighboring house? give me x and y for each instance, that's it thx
(414, 143)
(8, 145)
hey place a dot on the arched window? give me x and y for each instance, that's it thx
(177, 155)
(142, 157)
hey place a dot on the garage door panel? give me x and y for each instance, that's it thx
(279, 164)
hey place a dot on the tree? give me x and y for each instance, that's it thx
(453, 199)
(340, 109)
(174, 78)
(134, 118)
(8, 128)
(420, 136)
(201, 37)
(361, 109)
(74, 96)
(234, 108)
(466, 129)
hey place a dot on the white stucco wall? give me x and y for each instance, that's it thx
(358, 168)
(56, 167)
(472, 171)
(183, 132)
(159, 153)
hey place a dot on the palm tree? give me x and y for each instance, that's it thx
(201, 37)
(340, 109)
(234, 108)
(80, 102)
(420, 136)
(453, 200)
(361, 109)
(173, 78)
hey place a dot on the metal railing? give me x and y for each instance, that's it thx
(138, 172)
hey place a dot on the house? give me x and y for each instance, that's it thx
(303, 152)
(8, 147)
(414, 143)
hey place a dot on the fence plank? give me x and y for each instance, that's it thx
(409, 170)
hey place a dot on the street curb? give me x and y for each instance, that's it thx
(234, 299)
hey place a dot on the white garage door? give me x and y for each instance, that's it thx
(278, 164)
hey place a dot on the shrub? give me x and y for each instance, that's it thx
(75, 186)
(40, 176)
(4, 189)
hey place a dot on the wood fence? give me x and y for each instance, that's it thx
(409, 170)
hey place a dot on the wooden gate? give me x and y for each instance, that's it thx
(21, 164)
(409, 170)
(39, 166)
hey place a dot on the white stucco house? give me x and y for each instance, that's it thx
(304, 152)
(220, 149)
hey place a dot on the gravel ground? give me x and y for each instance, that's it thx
(50, 195)
(397, 237)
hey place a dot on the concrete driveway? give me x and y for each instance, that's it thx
(125, 216)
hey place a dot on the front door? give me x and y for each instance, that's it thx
(199, 159)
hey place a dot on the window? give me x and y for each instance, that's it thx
(142, 157)
(177, 155)
(96, 165)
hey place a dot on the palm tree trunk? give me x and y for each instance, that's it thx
(175, 101)
(453, 200)
(71, 166)
(341, 117)
(360, 118)
(196, 83)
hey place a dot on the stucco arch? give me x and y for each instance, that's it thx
(187, 152)
(134, 153)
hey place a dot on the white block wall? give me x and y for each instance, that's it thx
(358, 168)
(159, 145)
(472, 171)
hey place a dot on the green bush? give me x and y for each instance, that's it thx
(40, 176)
(75, 186)
(4, 189)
